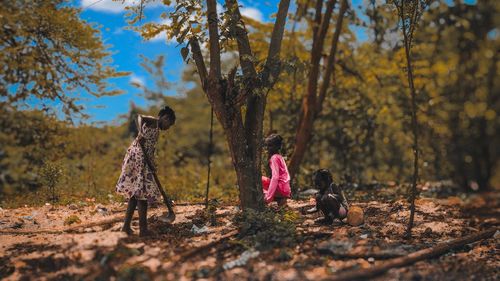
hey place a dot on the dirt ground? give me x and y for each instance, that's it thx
(175, 252)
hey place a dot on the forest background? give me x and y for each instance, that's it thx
(363, 133)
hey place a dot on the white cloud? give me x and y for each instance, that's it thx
(134, 79)
(118, 31)
(115, 7)
(252, 13)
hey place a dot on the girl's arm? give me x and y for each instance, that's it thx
(344, 198)
(143, 120)
(337, 189)
(141, 123)
(269, 196)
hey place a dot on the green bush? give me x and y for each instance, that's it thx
(267, 229)
(51, 174)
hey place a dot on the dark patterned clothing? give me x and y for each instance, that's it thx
(332, 204)
(136, 179)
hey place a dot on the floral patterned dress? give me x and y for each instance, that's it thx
(136, 179)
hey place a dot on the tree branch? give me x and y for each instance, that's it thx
(272, 66)
(325, 22)
(199, 61)
(316, 52)
(417, 12)
(317, 21)
(412, 258)
(213, 31)
(245, 52)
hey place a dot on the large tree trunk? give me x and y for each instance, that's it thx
(244, 138)
(246, 162)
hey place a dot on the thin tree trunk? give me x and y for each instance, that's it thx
(330, 65)
(304, 130)
(414, 124)
(209, 155)
(312, 103)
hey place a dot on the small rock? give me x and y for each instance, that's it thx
(241, 260)
(198, 230)
(102, 210)
(355, 216)
(497, 234)
(364, 236)
(428, 232)
(371, 260)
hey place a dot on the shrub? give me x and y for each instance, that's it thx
(267, 229)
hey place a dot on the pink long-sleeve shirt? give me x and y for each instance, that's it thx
(280, 179)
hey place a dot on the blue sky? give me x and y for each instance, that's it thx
(127, 46)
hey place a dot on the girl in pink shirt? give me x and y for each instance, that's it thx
(276, 188)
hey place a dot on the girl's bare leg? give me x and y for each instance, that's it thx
(329, 207)
(282, 202)
(143, 218)
(132, 203)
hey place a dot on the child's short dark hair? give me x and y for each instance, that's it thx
(169, 112)
(273, 142)
(323, 175)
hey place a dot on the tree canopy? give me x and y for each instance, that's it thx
(49, 54)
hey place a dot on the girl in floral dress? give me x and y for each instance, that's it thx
(136, 181)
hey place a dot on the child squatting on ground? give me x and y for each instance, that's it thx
(276, 188)
(136, 181)
(330, 199)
